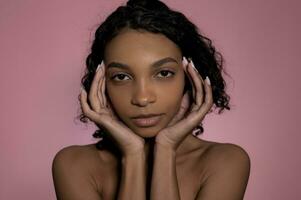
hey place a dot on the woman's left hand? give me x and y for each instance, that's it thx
(183, 123)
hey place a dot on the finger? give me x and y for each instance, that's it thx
(196, 117)
(85, 106)
(182, 110)
(101, 89)
(175, 134)
(93, 97)
(100, 95)
(197, 82)
(108, 123)
(93, 116)
(208, 102)
(186, 64)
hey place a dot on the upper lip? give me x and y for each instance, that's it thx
(146, 115)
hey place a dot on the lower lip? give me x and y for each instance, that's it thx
(147, 122)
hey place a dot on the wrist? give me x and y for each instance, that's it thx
(167, 149)
(134, 154)
(133, 150)
(163, 141)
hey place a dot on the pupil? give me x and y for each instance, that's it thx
(164, 73)
(121, 76)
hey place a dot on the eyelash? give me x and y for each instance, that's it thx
(170, 72)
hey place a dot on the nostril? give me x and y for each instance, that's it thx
(143, 99)
(140, 101)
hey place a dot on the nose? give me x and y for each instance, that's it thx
(143, 95)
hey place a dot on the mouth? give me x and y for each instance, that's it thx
(147, 120)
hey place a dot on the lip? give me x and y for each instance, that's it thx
(147, 120)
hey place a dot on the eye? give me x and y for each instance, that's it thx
(166, 73)
(120, 77)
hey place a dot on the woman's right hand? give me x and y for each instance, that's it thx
(103, 115)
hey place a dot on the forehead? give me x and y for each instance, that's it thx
(131, 45)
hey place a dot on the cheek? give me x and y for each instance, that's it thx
(118, 99)
(171, 96)
(171, 100)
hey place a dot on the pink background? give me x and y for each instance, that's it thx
(43, 45)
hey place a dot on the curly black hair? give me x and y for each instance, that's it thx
(155, 17)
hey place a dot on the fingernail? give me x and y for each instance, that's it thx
(192, 64)
(207, 80)
(97, 68)
(101, 64)
(184, 61)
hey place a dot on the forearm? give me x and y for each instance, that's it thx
(133, 177)
(164, 180)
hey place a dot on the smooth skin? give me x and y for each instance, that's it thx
(161, 162)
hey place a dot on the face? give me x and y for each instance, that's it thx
(144, 75)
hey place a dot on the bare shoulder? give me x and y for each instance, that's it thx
(223, 153)
(75, 158)
(78, 155)
(74, 170)
(213, 156)
(224, 162)
(68, 153)
(85, 158)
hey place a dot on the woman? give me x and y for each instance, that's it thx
(144, 89)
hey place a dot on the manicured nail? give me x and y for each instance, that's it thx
(184, 61)
(100, 65)
(207, 80)
(97, 68)
(192, 64)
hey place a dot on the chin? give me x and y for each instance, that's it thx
(148, 132)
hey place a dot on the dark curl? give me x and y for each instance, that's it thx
(154, 16)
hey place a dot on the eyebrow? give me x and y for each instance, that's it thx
(154, 65)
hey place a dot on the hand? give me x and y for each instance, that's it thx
(103, 115)
(180, 126)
